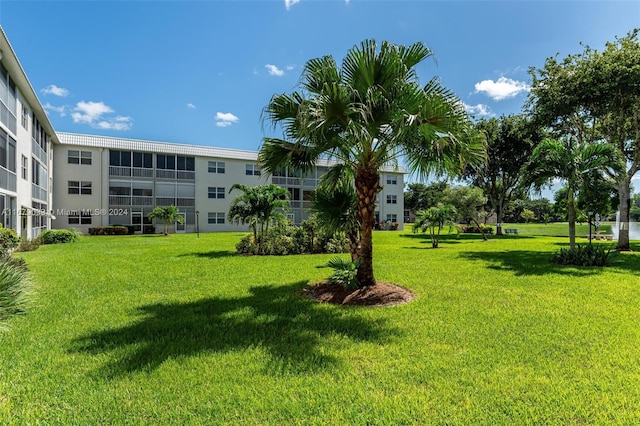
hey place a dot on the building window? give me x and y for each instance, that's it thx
(252, 170)
(7, 151)
(85, 158)
(79, 157)
(216, 192)
(120, 158)
(25, 117)
(25, 168)
(143, 160)
(215, 218)
(392, 217)
(392, 180)
(79, 187)
(173, 162)
(392, 199)
(81, 219)
(216, 167)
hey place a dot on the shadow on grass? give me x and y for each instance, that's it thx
(293, 331)
(214, 254)
(523, 262)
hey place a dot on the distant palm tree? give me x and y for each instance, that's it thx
(433, 220)
(366, 114)
(167, 215)
(336, 206)
(568, 160)
(259, 206)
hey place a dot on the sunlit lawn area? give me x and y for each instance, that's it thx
(180, 330)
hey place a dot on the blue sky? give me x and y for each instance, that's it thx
(200, 72)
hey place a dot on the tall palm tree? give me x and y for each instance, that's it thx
(167, 215)
(258, 206)
(572, 162)
(368, 113)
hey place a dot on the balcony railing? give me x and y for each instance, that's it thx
(8, 180)
(280, 180)
(38, 193)
(118, 171)
(39, 152)
(127, 200)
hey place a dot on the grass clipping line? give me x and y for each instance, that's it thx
(379, 295)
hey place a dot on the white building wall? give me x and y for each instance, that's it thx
(68, 207)
(211, 212)
(17, 191)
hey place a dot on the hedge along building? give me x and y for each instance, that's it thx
(103, 181)
(26, 155)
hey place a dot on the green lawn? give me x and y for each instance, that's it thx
(179, 330)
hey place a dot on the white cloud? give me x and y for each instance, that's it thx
(191, 106)
(479, 110)
(62, 110)
(96, 114)
(289, 3)
(117, 123)
(224, 119)
(504, 88)
(52, 89)
(290, 67)
(274, 70)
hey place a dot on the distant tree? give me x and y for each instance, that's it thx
(419, 196)
(258, 207)
(571, 161)
(527, 215)
(167, 215)
(560, 204)
(433, 220)
(597, 196)
(370, 112)
(593, 96)
(542, 209)
(469, 203)
(510, 142)
(635, 207)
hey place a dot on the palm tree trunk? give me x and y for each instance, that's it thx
(484, 237)
(571, 210)
(367, 184)
(354, 243)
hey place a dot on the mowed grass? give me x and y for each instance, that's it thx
(179, 330)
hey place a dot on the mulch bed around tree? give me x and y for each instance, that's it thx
(382, 294)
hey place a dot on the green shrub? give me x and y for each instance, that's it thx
(29, 245)
(109, 230)
(337, 244)
(583, 255)
(344, 272)
(472, 229)
(14, 288)
(58, 236)
(284, 240)
(247, 246)
(8, 240)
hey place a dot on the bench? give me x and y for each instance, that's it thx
(511, 231)
(603, 237)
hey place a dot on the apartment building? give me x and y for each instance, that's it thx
(26, 155)
(103, 181)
